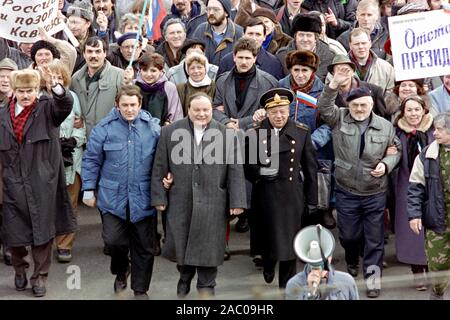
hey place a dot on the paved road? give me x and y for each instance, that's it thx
(237, 278)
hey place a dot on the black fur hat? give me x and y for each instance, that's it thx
(42, 44)
(306, 23)
(303, 58)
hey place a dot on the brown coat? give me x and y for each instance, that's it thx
(186, 90)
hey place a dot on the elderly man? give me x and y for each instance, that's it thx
(36, 205)
(120, 56)
(429, 202)
(368, 17)
(360, 141)
(219, 31)
(175, 34)
(202, 196)
(306, 29)
(341, 62)
(284, 180)
(121, 179)
(6, 93)
(369, 67)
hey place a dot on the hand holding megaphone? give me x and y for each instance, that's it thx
(314, 277)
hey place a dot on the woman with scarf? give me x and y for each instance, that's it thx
(302, 79)
(414, 128)
(198, 80)
(404, 89)
(160, 96)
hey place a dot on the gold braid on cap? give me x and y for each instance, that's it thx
(277, 101)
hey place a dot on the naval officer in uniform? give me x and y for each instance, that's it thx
(284, 178)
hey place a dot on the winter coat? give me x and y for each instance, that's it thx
(381, 73)
(425, 190)
(117, 164)
(67, 130)
(186, 90)
(197, 8)
(178, 74)
(379, 36)
(320, 132)
(166, 105)
(213, 52)
(279, 202)
(226, 96)
(409, 247)
(352, 170)
(117, 60)
(441, 99)
(199, 198)
(279, 40)
(265, 61)
(326, 56)
(97, 100)
(36, 205)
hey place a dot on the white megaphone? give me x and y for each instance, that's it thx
(310, 249)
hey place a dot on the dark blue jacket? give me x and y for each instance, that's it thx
(196, 9)
(265, 61)
(118, 164)
(216, 52)
(425, 190)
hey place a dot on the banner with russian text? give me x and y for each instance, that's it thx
(21, 19)
(420, 44)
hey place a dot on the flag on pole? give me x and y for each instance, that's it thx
(156, 14)
(306, 99)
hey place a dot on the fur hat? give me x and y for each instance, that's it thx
(303, 58)
(42, 44)
(306, 23)
(8, 64)
(26, 78)
(82, 9)
(264, 12)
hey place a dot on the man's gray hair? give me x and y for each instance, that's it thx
(443, 120)
(173, 21)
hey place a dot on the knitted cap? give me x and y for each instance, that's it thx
(127, 36)
(358, 93)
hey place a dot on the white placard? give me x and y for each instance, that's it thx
(20, 19)
(420, 44)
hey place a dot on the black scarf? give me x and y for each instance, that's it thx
(241, 84)
(414, 139)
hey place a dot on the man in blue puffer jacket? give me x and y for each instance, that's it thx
(116, 170)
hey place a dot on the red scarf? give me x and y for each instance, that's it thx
(18, 122)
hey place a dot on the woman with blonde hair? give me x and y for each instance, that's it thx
(198, 79)
(72, 140)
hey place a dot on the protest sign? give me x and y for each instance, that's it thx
(420, 44)
(21, 19)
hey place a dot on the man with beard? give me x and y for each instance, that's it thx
(219, 32)
(96, 83)
(184, 10)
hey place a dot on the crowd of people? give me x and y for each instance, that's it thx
(238, 111)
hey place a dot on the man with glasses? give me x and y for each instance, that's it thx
(219, 32)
